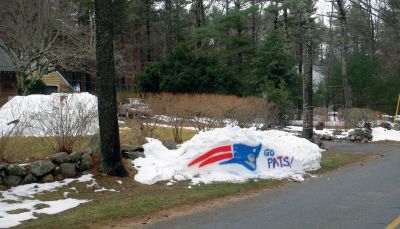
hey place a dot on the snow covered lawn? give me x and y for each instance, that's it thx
(229, 154)
(19, 203)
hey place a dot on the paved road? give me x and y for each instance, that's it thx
(358, 196)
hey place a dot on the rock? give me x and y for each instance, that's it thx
(68, 170)
(1, 180)
(170, 145)
(134, 155)
(29, 179)
(86, 162)
(3, 166)
(58, 177)
(57, 171)
(94, 143)
(13, 180)
(87, 151)
(386, 125)
(131, 148)
(61, 157)
(47, 178)
(75, 156)
(3, 188)
(16, 170)
(42, 167)
(360, 134)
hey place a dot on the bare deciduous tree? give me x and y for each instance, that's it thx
(39, 33)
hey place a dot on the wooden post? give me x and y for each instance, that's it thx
(397, 112)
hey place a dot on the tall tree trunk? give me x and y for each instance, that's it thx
(239, 34)
(168, 8)
(285, 22)
(200, 17)
(348, 99)
(253, 24)
(300, 27)
(276, 16)
(148, 50)
(301, 54)
(111, 159)
(307, 78)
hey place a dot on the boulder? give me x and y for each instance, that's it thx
(29, 179)
(131, 148)
(88, 150)
(3, 188)
(13, 180)
(58, 177)
(1, 180)
(42, 167)
(61, 157)
(16, 170)
(386, 125)
(57, 170)
(94, 143)
(134, 155)
(3, 166)
(68, 170)
(75, 156)
(47, 178)
(86, 162)
(170, 145)
(360, 134)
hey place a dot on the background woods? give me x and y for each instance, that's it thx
(241, 47)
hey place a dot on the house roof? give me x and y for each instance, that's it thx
(5, 62)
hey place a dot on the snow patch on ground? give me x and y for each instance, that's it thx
(161, 164)
(382, 134)
(21, 199)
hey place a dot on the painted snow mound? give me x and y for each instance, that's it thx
(280, 155)
(382, 134)
(49, 115)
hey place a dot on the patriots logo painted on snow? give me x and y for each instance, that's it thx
(237, 154)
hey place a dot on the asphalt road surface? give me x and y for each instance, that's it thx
(358, 196)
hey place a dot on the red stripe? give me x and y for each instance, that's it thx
(216, 158)
(210, 153)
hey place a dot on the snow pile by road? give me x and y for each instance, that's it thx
(382, 134)
(49, 115)
(229, 154)
(18, 204)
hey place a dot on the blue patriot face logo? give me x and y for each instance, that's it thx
(242, 154)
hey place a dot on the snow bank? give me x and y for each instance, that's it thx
(49, 115)
(21, 199)
(382, 134)
(229, 154)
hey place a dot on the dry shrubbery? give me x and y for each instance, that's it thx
(205, 111)
(321, 114)
(355, 117)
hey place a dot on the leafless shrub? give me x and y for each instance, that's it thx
(206, 111)
(355, 117)
(12, 125)
(64, 120)
(321, 114)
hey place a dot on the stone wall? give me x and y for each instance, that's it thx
(59, 166)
